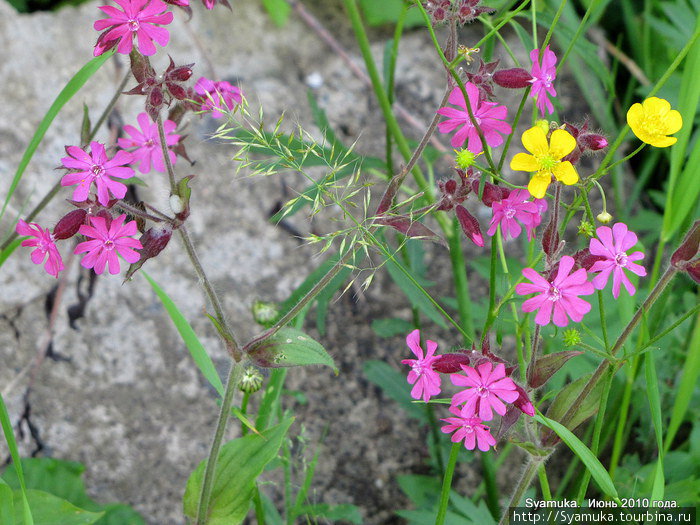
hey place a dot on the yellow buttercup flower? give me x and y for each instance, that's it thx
(546, 159)
(653, 120)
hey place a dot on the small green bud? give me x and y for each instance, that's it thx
(585, 228)
(251, 381)
(604, 217)
(464, 158)
(572, 337)
(265, 313)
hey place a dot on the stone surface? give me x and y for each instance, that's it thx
(125, 398)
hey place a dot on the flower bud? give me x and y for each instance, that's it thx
(492, 193)
(450, 363)
(470, 226)
(572, 337)
(516, 78)
(251, 381)
(604, 217)
(69, 224)
(265, 313)
(592, 141)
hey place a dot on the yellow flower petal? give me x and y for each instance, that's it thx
(635, 114)
(561, 143)
(565, 172)
(535, 141)
(674, 122)
(524, 162)
(538, 185)
(662, 142)
(656, 106)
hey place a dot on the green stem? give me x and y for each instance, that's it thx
(488, 468)
(544, 483)
(234, 377)
(622, 419)
(447, 483)
(579, 31)
(166, 154)
(108, 109)
(531, 469)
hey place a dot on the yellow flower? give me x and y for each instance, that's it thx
(652, 120)
(546, 159)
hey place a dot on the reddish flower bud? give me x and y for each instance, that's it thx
(492, 193)
(682, 258)
(470, 226)
(516, 78)
(180, 74)
(592, 141)
(69, 224)
(154, 241)
(450, 363)
(177, 92)
(523, 402)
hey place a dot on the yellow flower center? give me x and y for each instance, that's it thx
(547, 163)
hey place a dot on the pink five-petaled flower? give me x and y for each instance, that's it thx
(514, 209)
(45, 246)
(136, 18)
(217, 96)
(488, 115)
(423, 376)
(613, 245)
(469, 428)
(147, 143)
(98, 168)
(106, 241)
(543, 75)
(487, 388)
(557, 299)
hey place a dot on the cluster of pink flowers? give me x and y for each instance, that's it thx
(486, 388)
(557, 294)
(110, 236)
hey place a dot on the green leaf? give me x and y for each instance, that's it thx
(85, 126)
(189, 337)
(290, 347)
(415, 295)
(395, 386)
(5, 254)
(72, 87)
(241, 461)
(63, 479)
(14, 452)
(47, 509)
(278, 10)
(598, 472)
(569, 394)
(7, 507)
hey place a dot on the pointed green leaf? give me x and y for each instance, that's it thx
(47, 509)
(566, 398)
(14, 452)
(197, 350)
(598, 472)
(290, 347)
(241, 461)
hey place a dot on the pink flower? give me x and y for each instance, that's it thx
(45, 246)
(543, 76)
(514, 209)
(488, 115)
(136, 18)
(468, 428)
(98, 168)
(423, 376)
(613, 245)
(559, 298)
(216, 96)
(485, 390)
(147, 143)
(108, 240)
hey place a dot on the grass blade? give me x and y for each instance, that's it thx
(657, 491)
(72, 87)
(14, 452)
(189, 337)
(600, 475)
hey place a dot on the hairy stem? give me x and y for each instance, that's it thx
(447, 484)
